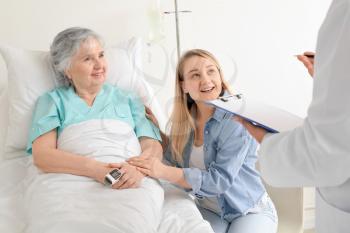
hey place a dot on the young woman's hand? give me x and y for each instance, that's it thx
(154, 167)
(151, 116)
(150, 166)
(257, 132)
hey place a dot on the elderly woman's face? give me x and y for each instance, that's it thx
(88, 66)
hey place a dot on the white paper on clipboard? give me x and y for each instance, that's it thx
(271, 118)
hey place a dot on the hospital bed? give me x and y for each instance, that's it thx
(28, 77)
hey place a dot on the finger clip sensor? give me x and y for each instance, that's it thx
(113, 177)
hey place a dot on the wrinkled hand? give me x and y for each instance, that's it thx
(131, 177)
(307, 61)
(150, 166)
(257, 132)
(100, 170)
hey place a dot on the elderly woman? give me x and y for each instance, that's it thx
(77, 131)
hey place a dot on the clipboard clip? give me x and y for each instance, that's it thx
(228, 97)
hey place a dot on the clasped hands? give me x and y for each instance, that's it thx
(135, 168)
(131, 177)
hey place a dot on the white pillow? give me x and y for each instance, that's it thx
(30, 75)
(3, 119)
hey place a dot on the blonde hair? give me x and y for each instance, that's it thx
(181, 122)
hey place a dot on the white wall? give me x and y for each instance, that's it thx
(254, 39)
(32, 24)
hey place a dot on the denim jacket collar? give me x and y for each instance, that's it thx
(220, 115)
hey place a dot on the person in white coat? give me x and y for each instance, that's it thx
(318, 152)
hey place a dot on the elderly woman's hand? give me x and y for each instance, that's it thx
(131, 177)
(99, 170)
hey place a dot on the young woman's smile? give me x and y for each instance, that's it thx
(202, 80)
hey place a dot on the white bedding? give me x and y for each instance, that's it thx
(33, 202)
(19, 188)
(68, 203)
(106, 140)
(178, 215)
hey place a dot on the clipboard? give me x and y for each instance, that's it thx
(272, 119)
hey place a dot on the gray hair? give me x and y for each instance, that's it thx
(64, 46)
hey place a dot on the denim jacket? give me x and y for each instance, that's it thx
(229, 158)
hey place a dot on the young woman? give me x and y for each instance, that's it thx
(211, 155)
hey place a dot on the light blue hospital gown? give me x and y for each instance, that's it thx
(107, 131)
(62, 107)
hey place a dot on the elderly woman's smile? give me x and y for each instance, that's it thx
(88, 67)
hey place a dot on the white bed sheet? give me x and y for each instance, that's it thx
(179, 213)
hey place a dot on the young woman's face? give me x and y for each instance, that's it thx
(202, 79)
(88, 66)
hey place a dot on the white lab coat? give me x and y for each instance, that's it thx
(318, 152)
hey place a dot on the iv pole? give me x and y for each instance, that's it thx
(177, 24)
(178, 43)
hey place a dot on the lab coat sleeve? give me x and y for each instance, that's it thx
(318, 152)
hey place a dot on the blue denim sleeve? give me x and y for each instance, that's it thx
(233, 147)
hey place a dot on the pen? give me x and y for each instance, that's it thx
(312, 56)
(309, 55)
